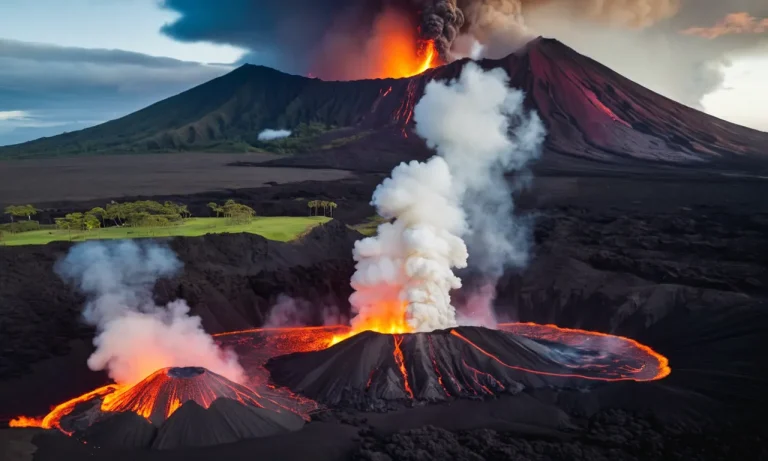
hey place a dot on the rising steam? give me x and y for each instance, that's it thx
(135, 336)
(480, 130)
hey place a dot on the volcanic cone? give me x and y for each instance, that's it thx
(370, 368)
(175, 407)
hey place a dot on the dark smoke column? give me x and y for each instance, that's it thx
(440, 22)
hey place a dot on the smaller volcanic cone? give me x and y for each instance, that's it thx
(175, 407)
(369, 369)
(163, 392)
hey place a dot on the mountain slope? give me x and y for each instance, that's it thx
(590, 111)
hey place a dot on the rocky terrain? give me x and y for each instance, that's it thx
(674, 262)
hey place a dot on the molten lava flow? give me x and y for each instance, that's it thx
(52, 419)
(164, 391)
(24, 421)
(389, 319)
(638, 362)
(400, 361)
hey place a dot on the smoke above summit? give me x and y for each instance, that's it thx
(333, 39)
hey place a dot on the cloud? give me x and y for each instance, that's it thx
(286, 35)
(13, 115)
(269, 135)
(734, 23)
(63, 88)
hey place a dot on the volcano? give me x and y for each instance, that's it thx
(591, 114)
(173, 407)
(371, 369)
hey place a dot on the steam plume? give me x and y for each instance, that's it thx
(269, 135)
(480, 130)
(136, 337)
(406, 269)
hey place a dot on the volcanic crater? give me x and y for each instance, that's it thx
(173, 407)
(370, 369)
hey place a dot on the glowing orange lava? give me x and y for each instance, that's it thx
(52, 419)
(395, 50)
(389, 319)
(638, 362)
(400, 360)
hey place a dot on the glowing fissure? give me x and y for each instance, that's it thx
(272, 342)
(437, 369)
(664, 369)
(400, 361)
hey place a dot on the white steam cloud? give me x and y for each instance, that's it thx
(136, 337)
(480, 130)
(270, 135)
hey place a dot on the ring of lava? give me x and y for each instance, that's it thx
(563, 354)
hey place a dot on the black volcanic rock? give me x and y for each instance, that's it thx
(225, 421)
(370, 369)
(121, 430)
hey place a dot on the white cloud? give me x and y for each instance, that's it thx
(742, 97)
(6, 115)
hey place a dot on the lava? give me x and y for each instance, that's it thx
(53, 418)
(400, 360)
(389, 319)
(396, 51)
(164, 391)
(606, 358)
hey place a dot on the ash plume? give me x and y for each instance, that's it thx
(135, 337)
(333, 39)
(480, 127)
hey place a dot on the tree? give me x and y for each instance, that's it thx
(215, 208)
(99, 213)
(332, 206)
(309, 205)
(184, 212)
(91, 222)
(75, 221)
(20, 211)
(324, 204)
(117, 213)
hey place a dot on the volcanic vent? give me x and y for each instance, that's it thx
(369, 369)
(173, 407)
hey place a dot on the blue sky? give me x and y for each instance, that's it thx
(69, 64)
(66, 65)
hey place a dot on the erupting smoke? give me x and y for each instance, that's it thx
(136, 337)
(480, 127)
(480, 130)
(404, 274)
(269, 135)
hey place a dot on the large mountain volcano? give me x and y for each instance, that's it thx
(591, 113)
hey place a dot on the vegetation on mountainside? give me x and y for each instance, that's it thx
(223, 115)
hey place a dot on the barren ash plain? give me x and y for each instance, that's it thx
(636, 329)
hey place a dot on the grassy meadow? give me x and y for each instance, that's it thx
(282, 228)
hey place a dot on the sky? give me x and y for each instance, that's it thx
(67, 65)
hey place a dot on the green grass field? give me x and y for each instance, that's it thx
(274, 228)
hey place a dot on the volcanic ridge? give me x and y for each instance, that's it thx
(463, 362)
(174, 407)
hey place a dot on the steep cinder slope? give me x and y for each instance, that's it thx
(590, 112)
